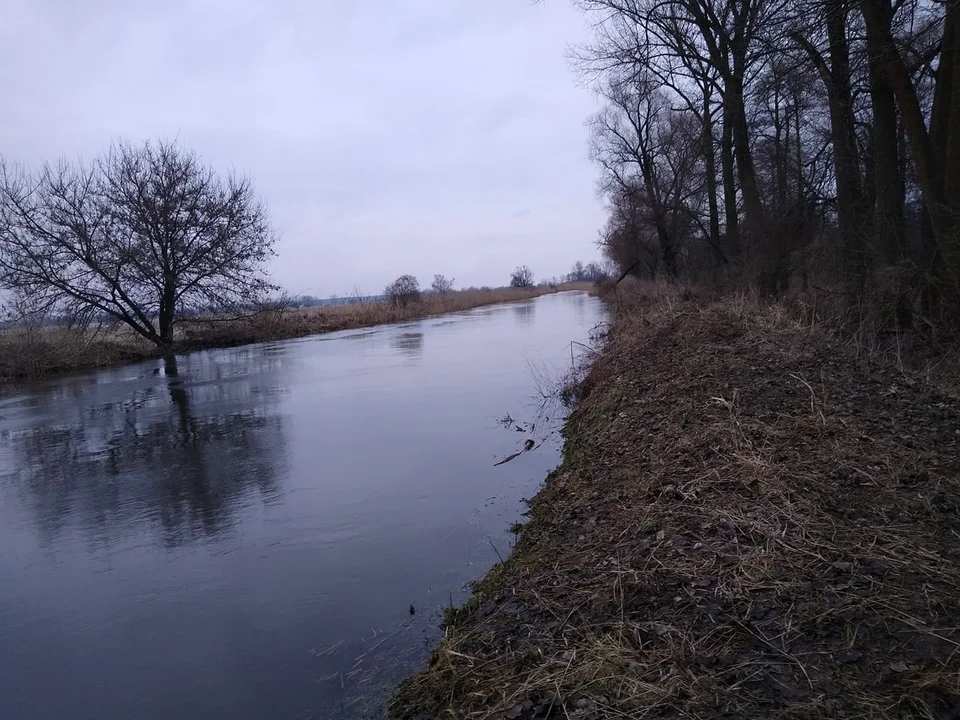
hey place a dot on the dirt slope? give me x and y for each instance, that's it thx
(748, 523)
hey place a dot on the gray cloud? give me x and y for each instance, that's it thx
(386, 137)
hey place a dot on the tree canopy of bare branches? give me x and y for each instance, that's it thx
(441, 284)
(145, 235)
(591, 272)
(403, 291)
(764, 133)
(521, 277)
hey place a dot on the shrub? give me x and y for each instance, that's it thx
(403, 291)
(521, 277)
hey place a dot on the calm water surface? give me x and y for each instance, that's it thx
(242, 533)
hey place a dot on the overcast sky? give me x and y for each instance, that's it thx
(386, 136)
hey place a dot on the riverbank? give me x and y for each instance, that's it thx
(39, 352)
(750, 521)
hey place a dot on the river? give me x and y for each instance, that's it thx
(269, 531)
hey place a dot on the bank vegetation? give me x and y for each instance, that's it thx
(755, 517)
(33, 350)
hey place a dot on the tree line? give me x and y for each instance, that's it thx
(784, 138)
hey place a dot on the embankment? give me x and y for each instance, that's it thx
(749, 522)
(28, 353)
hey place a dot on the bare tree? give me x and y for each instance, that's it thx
(357, 295)
(627, 241)
(145, 235)
(441, 285)
(591, 272)
(403, 291)
(653, 153)
(713, 44)
(578, 273)
(831, 130)
(834, 71)
(521, 277)
(935, 145)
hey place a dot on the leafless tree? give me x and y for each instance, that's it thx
(357, 295)
(441, 285)
(935, 144)
(834, 70)
(627, 241)
(652, 153)
(146, 234)
(713, 45)
(591, 272)
(521, 277)
(578, 273)
(835, 125)
(403, 291)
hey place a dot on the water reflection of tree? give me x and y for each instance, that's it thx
(523, 312)
(409, 344)
(155, 461)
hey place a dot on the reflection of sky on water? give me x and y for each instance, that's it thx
(192, 537)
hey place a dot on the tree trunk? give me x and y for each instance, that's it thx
(949, 76)
(167, 316)
(798, 162)
(850, 205)
(752, 204)
(710, 167)
(887, 187)
(931, 171)
(729, 184)
(667, 249)
(945, 135)
(781, 141)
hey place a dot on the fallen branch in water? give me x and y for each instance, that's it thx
(527, 445)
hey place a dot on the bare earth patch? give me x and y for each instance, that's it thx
(748, 523)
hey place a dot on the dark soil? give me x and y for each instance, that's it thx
(748, 523)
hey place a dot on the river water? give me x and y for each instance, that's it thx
(269, 531)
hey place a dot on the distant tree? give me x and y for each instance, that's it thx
(403, 291)
(521, 277)
(591, 272)
(578, 273)
(441, 285)
(594, 272)
(145, 234)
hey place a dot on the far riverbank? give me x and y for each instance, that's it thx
(40, 352)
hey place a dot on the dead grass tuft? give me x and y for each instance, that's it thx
(751, 521)
(29, 353)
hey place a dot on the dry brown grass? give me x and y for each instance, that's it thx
(295, 322)
(37, 352)
(750, 521)
(30, 353)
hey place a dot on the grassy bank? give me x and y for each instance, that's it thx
(37, 352)
(752, 520)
